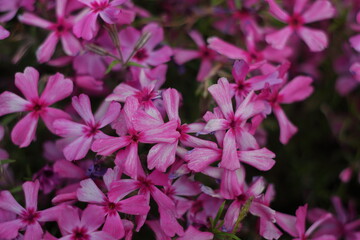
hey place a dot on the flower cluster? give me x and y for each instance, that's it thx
(139, 163)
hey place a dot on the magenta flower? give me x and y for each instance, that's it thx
(193, 233)
(87, 27)
(295, 226)
(61, 30)
(206, 55)
(162, 155)
(139, 127)
(200, 158)
(255, 57)
(84, 227)
(145, 88)
(315, 39)
(57, 88)
(148, 54)
(243, 87)
(237, 134)
(355, 40)
(257, 207)
(296, 90)
(344, 225)
(109, 208)
(28, 218)
(11, 8)
(146, 186)
(83, 134)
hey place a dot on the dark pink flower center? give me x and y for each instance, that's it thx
(145, 183)
(92, 130)
(207, 53)
(37, 107)
(30, 216)
(80, 234)
(141, 54)
(296, 21)
(242, 14)
(98, 7)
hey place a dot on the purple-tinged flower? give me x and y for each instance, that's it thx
(316, 40)
(87, 27)
(4, 33)
(83, 134)
(57, 88)
(29, 218)
(61, 30)
(206, 55)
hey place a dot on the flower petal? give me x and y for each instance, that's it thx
(47, 48)
(27, 82)
(24, 131)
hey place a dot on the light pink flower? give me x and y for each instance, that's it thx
(87, 27)
(57, 88)
(61, 30)
(83, 134)
(79, 226)
(29, 218)
(315, 39)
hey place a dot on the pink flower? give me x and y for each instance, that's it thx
(109, 207)
(4, 33)
(148, 54)
(315, 39)
(344, 225)
(200, 158)
(295, 226)
(243, 87)
(57, 88)
(296, 90)
(355, 40)
(87, 27)
(11, 7)
(146, 186)
(76, 227)
(83, 134)
(29, 218)
(257, 207)
(61, 30)
(237, 134)
(136, 127)
(206, 55)
(193, 233)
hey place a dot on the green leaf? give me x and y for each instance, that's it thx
(218, 215)
(6, 120)
(135, 64)
(226, 235)
(16, 189)
(216, 2)
(112, 64)
(7, 161)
